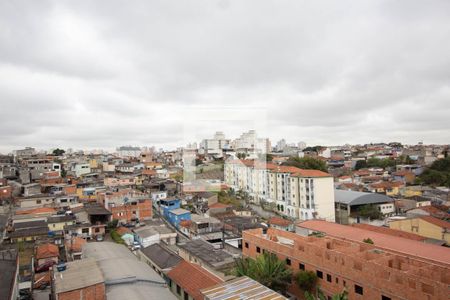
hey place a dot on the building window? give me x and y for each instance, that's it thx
(337, 280)
(186, 296)
(359, 289)
(258, 250)
(170, 283)
(383, 297)
(246, 245)
(178, 290)
(288, 261)
(328, 277)
(319, 274)
(301, 266)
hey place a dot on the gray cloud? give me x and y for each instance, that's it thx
(99, 74)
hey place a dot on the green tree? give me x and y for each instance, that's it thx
(306, 280)
(241, 155)
(369, 211)
(267, 269)
(58, 152)
(266, 157)
(360, 164)
(380, 163)
(306, 162)
(321, 296)
(368, 241)
(438, 173)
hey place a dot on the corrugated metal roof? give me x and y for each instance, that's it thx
(243, 288)
(359, 198)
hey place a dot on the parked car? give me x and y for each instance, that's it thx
(99, 238)
(135, 246)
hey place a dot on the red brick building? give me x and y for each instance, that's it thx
(127, 212)
(366, 271)
(5, 192)
(82, 279)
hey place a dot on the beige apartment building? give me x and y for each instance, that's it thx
(296, 193)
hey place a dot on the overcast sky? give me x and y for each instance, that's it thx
(100, 74)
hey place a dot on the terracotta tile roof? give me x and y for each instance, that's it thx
(434, 211)
(436, 221)
(397, 244)
(279, 221)
(361, 173)
(41, 279)
(389, 231)
(122, 230)
(286, 169)
(219, 205)
(402, 173)
(386, 184)
(46, 251)
(311, 173)
(192, 278)
(253, 163)
(185, 223)
(76, 244)
(345, 177)
(40, 210)
(149, 172)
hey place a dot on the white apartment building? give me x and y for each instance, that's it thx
(250, 142)
(129, 151)
(297, 193)
(215, 145)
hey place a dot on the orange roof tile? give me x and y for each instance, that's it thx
(397, 244)
(434, 211)
(286, 169)
(436, 221)
(185, 223)
(46, 251)
(122, 230)
(40, 210)
(361, 173)
(75, 244)
(279, 221)
(219, 205)
(311, 173)
(389, 231)
(192, 278)
(402, 173)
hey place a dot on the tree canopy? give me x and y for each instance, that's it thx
(438, 173)
(306, 162)
(306, 280)
(58, 152)
(369, 211)
(267, 269)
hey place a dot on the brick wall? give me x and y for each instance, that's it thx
(143, 210)
(350, 264)
(94, 292)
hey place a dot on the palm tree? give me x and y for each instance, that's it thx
(306, 280)
(321, 296)
(267, 269)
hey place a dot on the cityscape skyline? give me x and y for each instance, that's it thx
(10, 149)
